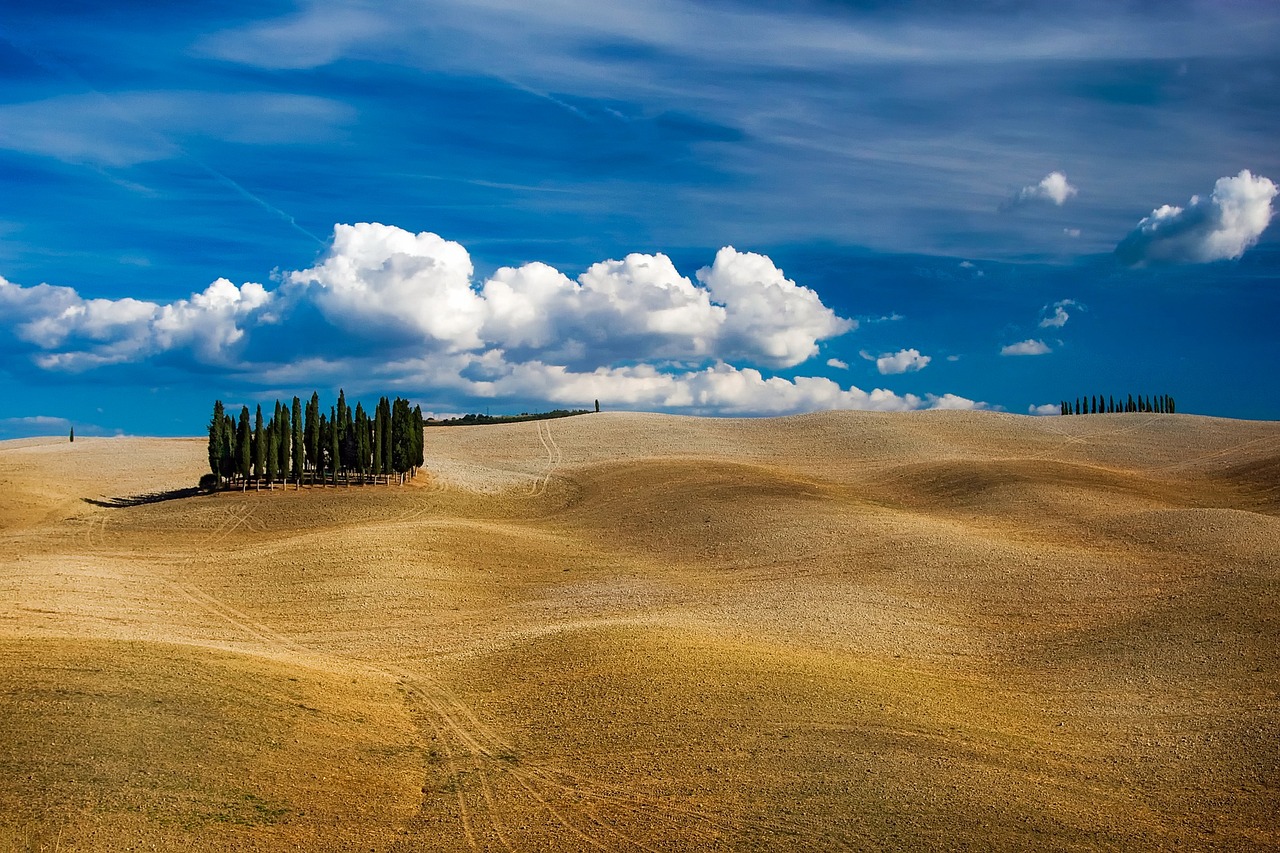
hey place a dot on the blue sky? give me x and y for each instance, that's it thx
(703, 207)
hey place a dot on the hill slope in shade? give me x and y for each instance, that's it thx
(936, 630)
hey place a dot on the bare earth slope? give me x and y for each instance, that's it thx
(848, 631)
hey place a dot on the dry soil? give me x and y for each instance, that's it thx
(850, 631)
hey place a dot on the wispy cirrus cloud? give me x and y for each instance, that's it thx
(127, 128)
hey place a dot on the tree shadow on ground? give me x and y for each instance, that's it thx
(148, 498)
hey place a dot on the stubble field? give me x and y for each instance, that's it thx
(844, 631)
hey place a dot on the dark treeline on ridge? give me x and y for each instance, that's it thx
(475, 420)
(1161, 404)
(303, 445)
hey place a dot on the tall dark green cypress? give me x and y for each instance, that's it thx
(335, 443)
(400, 429)
(216, 426)
(313, 431)
(273, 451)
(378, 470)
(298, 443)
(284, 438)
(244, 447)
(259, 447)
(418, 426)
(228, 447)
(322, 435)
(384, 409)
(361, 428)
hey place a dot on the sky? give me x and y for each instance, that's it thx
(724, 208)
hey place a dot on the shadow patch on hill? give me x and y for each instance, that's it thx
(148, 498)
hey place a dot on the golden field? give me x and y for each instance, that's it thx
(842, 631)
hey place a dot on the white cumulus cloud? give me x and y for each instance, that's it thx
(768, 317)
(837, 364)
(902, 361)
(1028, 347)
(1059, 317)
(402, 310)
(1219, 227)
(1053, 188)
(1046, 409)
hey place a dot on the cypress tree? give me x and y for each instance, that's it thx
(228, 447)
(400, 428)
(322, 434)
(378, 470)
(1172, 407)
(313, 431)
(244, 447)
(259, 448)
(297, 442)
(384, 407)
(335, 443)
(216, 426)
(361, 428)
(284, 436)
(418, 426)
(273, 452)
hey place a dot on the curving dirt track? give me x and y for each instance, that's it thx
(844, 631)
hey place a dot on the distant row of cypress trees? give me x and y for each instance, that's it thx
(306, 446)
(1161, 404)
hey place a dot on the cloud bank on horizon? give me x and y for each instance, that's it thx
(404, 307)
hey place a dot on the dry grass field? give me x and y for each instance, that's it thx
(852, 631)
